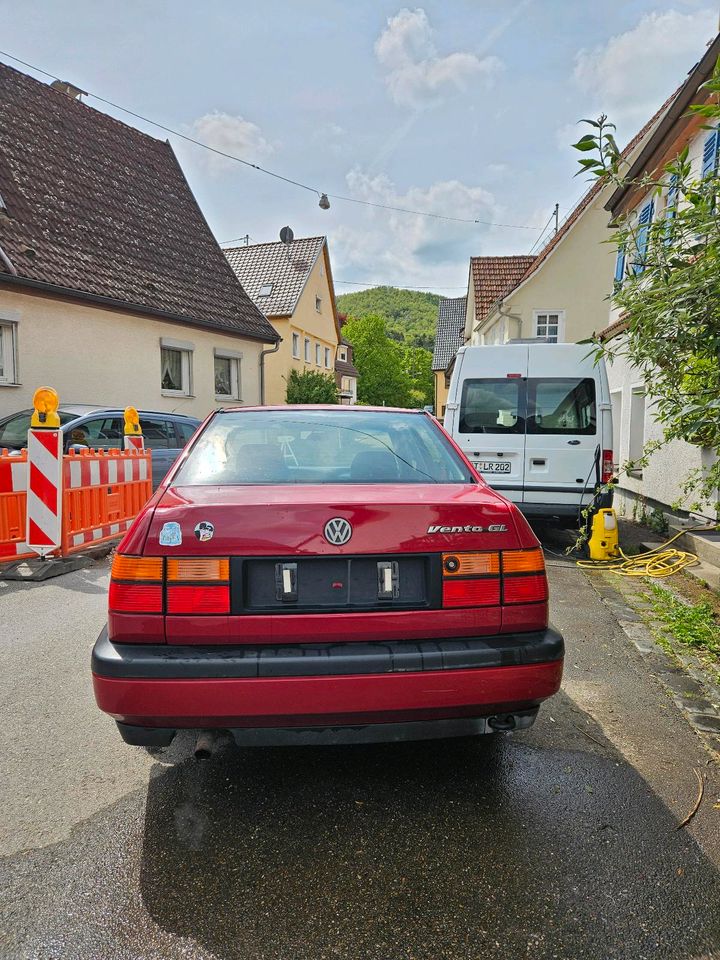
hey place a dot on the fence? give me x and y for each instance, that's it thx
(102, 492)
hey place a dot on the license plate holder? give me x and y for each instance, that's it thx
(492, 466)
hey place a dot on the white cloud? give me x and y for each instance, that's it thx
(414, 73)
(384, 246)
(233, 135)
(634, 72)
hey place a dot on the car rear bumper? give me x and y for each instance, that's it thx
(154, 690)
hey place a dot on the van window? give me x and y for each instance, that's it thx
(561, 405)
(491, 406)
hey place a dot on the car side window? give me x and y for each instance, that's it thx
(102, 433)
(159, 433)
(186, 430)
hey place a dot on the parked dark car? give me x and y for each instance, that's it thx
(87, 425)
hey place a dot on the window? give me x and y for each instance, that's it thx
(491, 406)
(345, 384)
(14, 431)
(317, 446)
(186, 430)
(296, 345)
(101, 433)
(176, 367)
(561, 405)
(342, 353)
(318, 304)
(8, 373)
(308, 351)
(637, 429)
(619, 266)
(710, 154)
(159, 433)
(318, 354)
(642, 236)
(265, 290)
(227, 375)
(327, 358)
(549, 324)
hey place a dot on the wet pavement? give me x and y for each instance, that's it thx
(561, 841)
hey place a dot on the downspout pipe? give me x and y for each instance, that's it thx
(8, 262)
(263, 354)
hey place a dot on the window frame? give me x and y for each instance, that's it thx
(9, 341)
(186, 350)
(295, 345)
(318, 303)
(328, 358)
(235, 359)
(342, 354)
(318, 354)
(547, 313)
(308, 350)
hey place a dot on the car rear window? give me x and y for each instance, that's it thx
(537, 405)
(319, 446)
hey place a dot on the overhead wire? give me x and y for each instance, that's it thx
(265, 170)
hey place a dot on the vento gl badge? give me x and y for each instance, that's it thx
(204, 531)
(338, 531)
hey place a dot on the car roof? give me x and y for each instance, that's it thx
(84, 409)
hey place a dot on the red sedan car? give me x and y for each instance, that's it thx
(325, 575)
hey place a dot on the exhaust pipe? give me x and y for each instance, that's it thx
(205, 745)
(504, 721)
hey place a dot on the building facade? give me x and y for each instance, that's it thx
(659, 484)
(449, 337)
(292, 284)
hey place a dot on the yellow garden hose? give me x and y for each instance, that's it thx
(661, 561)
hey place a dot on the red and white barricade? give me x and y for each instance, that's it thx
(44, 490)
(13, 507)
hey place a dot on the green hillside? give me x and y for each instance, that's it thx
(410, 315)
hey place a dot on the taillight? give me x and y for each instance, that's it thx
(480, 579)
(175, 586)
(607, 466)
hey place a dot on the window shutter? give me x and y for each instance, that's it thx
(644, 221)
(671, 205)
(620, 265)
(710, 154)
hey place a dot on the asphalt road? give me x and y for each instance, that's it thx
(561, 841)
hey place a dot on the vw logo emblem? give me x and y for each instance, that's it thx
(338, 531)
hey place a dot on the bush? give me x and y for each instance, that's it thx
(311, 387)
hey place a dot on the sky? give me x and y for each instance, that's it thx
(462, 108)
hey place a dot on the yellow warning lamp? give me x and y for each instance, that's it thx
(46, 402)
(132, 422)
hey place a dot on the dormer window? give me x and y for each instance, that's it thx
(265, 290)
(342, 353)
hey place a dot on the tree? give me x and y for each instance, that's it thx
(311, 387)
(380, 361)
(669, 295)
(418, 366)
(410, 315)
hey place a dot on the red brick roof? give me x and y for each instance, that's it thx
(97, 208)
(493, 278)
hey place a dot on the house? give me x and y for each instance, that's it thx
(561, 293)
(113, 289)
(346, 374)
(659, 484)
(449, 337)
(292, 284)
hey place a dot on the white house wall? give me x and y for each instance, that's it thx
(93, 355)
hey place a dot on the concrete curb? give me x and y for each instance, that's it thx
(678, 671)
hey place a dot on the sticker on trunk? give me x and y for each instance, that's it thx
(204, 531)
(170, 535)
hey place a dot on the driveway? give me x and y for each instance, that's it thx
(561, 841)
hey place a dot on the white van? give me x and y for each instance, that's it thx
(535, 420)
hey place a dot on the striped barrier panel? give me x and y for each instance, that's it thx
(103, 492)
(44, 516)
(13, 505)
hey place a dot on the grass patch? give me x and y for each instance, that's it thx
(692, 624)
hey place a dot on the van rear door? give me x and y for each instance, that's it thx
(562, 428)
(489, 419)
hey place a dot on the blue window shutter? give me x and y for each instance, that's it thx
(620, 265)
(671, 205)
(710, 154)
(644, 221)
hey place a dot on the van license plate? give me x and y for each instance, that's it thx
(492, 466)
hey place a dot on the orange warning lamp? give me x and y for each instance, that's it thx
(45, 402)
(132, 422)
